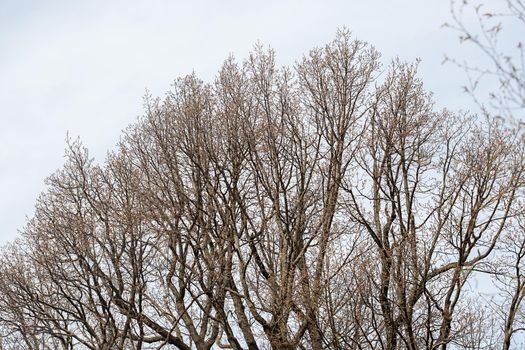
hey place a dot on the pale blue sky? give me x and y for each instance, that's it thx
(83, 66)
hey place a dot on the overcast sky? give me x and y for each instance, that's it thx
(83, 66)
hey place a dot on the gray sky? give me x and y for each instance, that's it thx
(83, 66)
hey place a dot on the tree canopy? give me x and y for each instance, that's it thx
(325, 205)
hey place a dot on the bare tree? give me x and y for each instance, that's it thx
(320, 206)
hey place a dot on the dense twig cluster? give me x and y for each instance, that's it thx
(323, 206)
